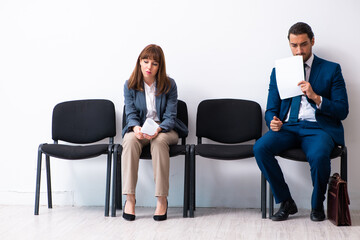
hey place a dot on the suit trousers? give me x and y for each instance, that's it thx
(159, 148)
(317, 146)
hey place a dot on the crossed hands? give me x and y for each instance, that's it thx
(140, 135)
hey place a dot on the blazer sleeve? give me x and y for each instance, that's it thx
(273, 102)
(336, 106)
(168, 118)
(132, 115)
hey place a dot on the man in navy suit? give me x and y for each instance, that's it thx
(311, 121)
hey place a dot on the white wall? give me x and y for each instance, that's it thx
(53, 51)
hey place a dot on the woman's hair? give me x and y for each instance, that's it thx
(155, 53)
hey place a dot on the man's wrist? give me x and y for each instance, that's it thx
(318, 100)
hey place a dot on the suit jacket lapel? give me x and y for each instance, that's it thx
(158, 105)
(142, 99)
(315, 70)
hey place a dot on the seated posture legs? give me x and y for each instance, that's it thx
(316, 144)
(132, 148)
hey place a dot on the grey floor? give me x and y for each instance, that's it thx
(18, 222)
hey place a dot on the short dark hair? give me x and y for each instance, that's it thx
(301, 28)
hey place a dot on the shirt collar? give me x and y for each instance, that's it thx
(150, 88)
(309, 62)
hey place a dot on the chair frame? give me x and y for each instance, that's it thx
(192, 170)
(48, 173)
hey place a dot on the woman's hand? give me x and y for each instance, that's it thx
(138, 133)
(153, 136)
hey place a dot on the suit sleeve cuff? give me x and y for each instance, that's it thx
(319, 106)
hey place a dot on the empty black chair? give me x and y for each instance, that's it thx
(79, 122)
(230, 123)
(175, 150)
(297, 154)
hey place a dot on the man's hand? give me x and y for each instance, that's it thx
(276, 124)
(309, 92)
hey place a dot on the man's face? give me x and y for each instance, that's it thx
(301, 45)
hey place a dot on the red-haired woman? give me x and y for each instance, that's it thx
(149, 93)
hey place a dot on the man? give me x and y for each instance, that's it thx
(311, 121)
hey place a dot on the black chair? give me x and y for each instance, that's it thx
(78, 122)
(297, 154)
(230, 122)
(175, 150)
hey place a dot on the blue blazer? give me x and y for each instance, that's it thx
(166, 108)
(327, 81)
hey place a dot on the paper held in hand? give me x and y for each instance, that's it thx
(289, 72)
(149, 127)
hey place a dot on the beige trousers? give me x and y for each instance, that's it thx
(159, 147)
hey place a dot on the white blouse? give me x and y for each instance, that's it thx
(150, 101)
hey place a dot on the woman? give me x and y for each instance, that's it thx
(149, 93)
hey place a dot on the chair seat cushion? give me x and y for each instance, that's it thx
(175, 150)
(224, 152)
(298, 154)
(74, 152)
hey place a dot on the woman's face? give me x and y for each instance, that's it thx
(149, 68)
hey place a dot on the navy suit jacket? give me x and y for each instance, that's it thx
(327, 81)
(166, 108)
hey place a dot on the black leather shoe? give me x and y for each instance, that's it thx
(126, 216)
(162, 217)
(317, 215)
(286, 208)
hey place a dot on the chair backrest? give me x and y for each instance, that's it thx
(229, 120)
(83, 121)
(182, 114)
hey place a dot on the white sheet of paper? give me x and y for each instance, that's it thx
(289, 72)
(149, 127)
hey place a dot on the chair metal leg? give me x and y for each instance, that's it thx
(113, 191)
(38, 179)
(108, 176)
(263, 196)
(186, 182)
(271, 203)
(343, 164)
(116, 175)
(192, 181)
(118, 195)
(48, 178)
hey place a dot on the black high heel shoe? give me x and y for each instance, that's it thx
(126, 216)
(162, 217)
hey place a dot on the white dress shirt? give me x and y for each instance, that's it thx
(306, 111)
(150, 101)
